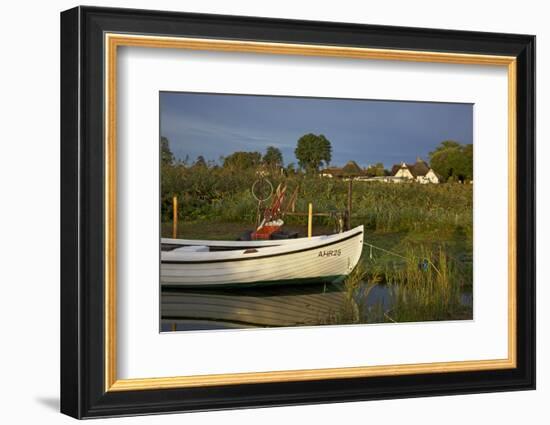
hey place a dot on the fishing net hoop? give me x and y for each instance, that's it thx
(254, 188)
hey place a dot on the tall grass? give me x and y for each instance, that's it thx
(354, 308)
(427, 287)
(218, 194)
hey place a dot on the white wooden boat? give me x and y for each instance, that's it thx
(203, 263)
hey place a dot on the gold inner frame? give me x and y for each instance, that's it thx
(113, 41)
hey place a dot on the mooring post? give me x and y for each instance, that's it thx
(310, 220)
(348, 215)
(175, 217)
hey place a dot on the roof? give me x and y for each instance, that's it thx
(395, 169)
(419, 168)
(335, 171)
(350, 169)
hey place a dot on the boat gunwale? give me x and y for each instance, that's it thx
(230, 245)
(276, 254)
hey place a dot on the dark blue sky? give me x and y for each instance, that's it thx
(367, 131)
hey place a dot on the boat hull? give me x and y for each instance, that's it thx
(317, 260)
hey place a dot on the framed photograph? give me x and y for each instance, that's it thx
(261, 212)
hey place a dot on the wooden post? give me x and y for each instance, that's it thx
(175, 217)
(350, 188)
(310, 220)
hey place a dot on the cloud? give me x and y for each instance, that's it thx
(366, 131)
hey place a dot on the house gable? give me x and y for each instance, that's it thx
(419, 171)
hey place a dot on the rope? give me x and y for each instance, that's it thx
(399, 255)
(384, 250)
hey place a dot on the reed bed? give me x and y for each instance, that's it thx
(220, 195)
(426, 286)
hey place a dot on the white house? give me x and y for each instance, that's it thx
(430, 177)
(419, 172)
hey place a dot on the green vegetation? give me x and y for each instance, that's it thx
(220, 194)
(430, 289)
(242, 160)
(424, 232)
(166, 155)
(453, 161)
(377, 170)
(273, 157)
(426, 285)
(312, 151)
(354, 308)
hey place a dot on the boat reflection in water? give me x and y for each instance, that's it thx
(287, 305)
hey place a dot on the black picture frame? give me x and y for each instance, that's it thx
(83, 392)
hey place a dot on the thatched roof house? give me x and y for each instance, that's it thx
(420, 171)
(351, 169)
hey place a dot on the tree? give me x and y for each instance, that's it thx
(469, 167)
(291, 169)
(166, 155)
(242, 160)
(273, 157)
(453, 161)
(377, 170)
(312, 151)
(200, 162)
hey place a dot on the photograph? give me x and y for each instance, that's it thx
(284, 211)
(263, 210)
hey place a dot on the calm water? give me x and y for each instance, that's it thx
(305, 305)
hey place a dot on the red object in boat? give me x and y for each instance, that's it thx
(271, 223)
(265, 231)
